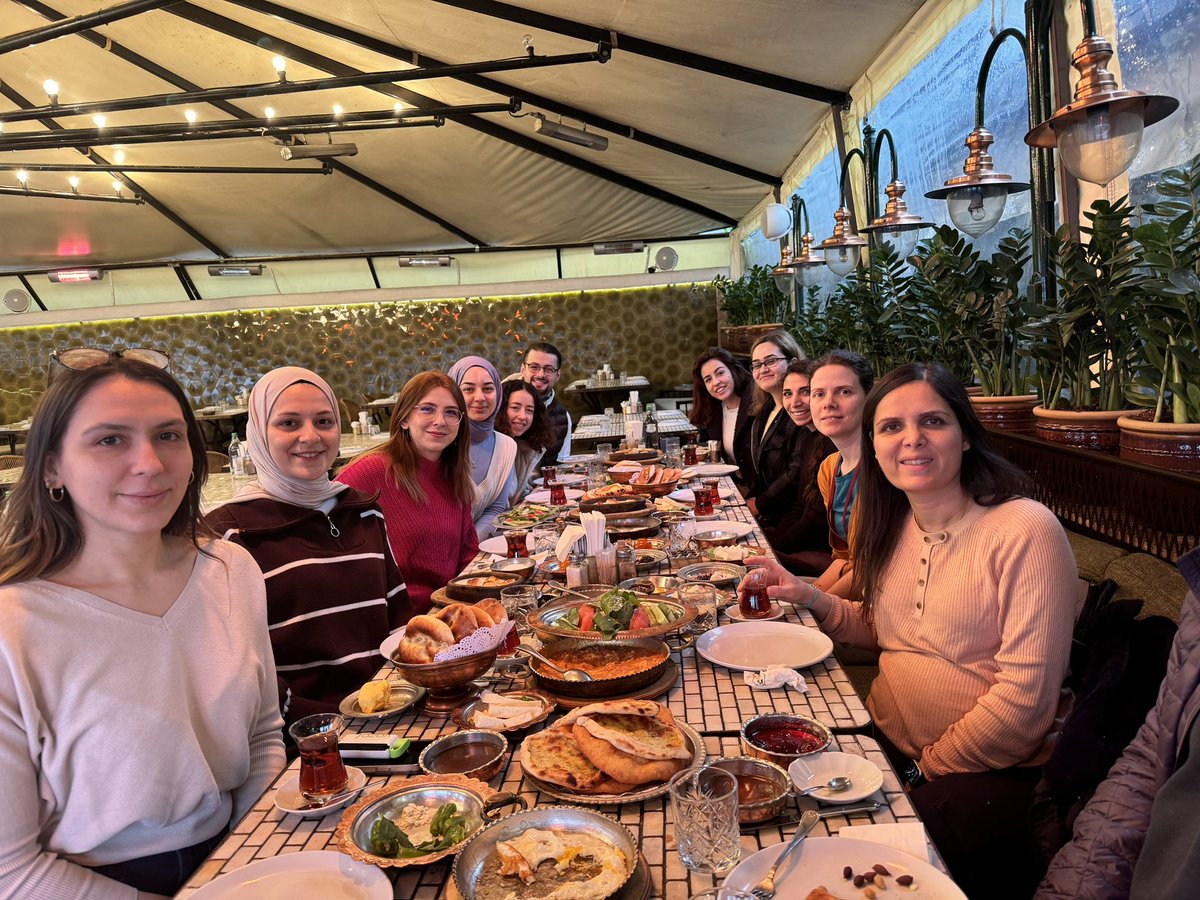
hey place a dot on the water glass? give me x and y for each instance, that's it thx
(704, 598)
(322, 773)
(669, 445)
(704, 800)
(545, 538)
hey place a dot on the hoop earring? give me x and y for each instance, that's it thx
(56, 497)
(191, 477)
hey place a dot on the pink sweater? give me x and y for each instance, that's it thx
(431, 541)
(974, 627)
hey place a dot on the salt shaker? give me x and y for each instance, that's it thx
(626, 561)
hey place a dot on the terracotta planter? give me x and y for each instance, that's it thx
(1162, 444)
(1007, 413)
(975, 390)
(1084, 429)
(740, 338)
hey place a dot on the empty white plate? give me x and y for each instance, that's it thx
(544, 496)
(306, 875)
(741, 529)
(865, 776)
(712, 469)
(752, 646)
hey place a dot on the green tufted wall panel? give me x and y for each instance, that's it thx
(369, 350)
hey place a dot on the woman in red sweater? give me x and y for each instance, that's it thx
(422, 475)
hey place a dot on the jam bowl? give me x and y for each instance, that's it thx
(780, 738)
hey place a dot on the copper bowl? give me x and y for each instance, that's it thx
(449, 682)
(456, 589)
(764, 789)
(614, 503)
(630, 529)
(753, 728)
(481, 751)
(601, 688)
(639, 454)
(706, 539)
(658, 489)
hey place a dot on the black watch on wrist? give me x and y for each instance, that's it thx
(912, 775)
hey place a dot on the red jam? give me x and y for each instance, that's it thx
(787, 739)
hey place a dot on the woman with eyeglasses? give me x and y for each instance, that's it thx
(139, 717)
(493, 455)
(721, 408)
(837, 394)
(524, 418)
(773, 434)
(334, 592)
(422, 475)
(968, 590)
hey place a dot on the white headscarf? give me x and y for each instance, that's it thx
(272, 481)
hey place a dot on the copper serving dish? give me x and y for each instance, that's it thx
(457, 589)
(657, 489)
(544, 621)
(764, 789)
(600, 688)
(449, 682)
(641, 454)
(623, 529)
(614, 503)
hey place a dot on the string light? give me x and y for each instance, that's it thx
(98, 120)
(270, 112)
(22, 176)
(337, 110)
(280, 65)
(74, 182)
(190, 115)
(116, 186)
(50, 86)
(119, 157)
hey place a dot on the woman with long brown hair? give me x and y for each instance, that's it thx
(139, 717)
(969, 594)
(422, 475)
(524, 418)
(721, 402)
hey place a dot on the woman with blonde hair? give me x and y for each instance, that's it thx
(139, 718)
(422, 475)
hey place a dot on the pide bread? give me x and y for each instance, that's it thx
(424, 637)
(460, 618)
(613, 707)
(636, 735)
(554, 756)
(621, 766)
(494, 609)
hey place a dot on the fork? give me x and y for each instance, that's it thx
(765, 889)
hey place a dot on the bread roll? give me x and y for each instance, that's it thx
(424, 637)
(494, 609)
(482, 619)
(460, 618)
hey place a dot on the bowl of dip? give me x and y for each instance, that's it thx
(780, 738)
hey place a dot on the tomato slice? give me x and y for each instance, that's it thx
(639, 620)
(587, 615)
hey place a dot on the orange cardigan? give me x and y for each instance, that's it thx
(825, 480)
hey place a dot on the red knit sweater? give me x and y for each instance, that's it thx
(432, 541)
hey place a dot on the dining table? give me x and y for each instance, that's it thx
(595, 392)
(219, 423)
(603, 428)
(13, 432)
(713, 699)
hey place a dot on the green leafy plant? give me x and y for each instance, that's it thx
(1168, 320)
(1082, 341)
(752, 299)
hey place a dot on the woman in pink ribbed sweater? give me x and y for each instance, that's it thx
(422, 475)
(969, 592)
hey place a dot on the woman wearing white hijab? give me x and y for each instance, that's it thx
(333, 589)
(493, 455)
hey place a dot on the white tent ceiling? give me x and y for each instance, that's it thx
(480, 180)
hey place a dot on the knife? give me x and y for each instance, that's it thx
(824, 814)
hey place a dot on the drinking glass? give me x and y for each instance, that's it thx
(714, 489)
(604, 451)
(669, 445)
(545, 538)
(322, 773)
(518, 601)
(704, 800)
(753, 600)
(704, 598)
(689, 455)
(703, 498)
(517, 542)
(558, 493)
(549, 474)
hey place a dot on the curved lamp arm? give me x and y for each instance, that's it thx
(850, 154)
(798, 210)
(879, 136)
(986, 67)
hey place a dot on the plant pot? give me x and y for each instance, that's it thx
(1007, 413)
(1162, 444)
(740, 338)
(1085, 429)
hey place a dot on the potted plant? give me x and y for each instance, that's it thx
(969, 303)
(1167, 434)
(751, 306)
(1080, 339)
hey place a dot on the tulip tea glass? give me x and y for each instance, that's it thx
(753, 600)
(703, 498)
(322, 773)
(549, 474)
(704, 801)
(689, 455)
(517, 542)
(558, 493)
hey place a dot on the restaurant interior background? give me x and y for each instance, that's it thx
(331, 294)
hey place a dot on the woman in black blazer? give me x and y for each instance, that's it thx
(721, 395)
(773, 433)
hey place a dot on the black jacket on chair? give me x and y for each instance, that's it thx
(741, 439)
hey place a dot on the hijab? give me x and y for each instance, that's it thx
(272, 481)
(480, 431)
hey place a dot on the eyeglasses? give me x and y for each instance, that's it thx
(429, 411)
(538, 370)
(87, 357)
(769, 363)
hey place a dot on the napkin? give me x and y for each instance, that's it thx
(908, 837)
(566, 540)
(776, 676)
(593, 525)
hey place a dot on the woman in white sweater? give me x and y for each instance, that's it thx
(139, 717)
(493, 455)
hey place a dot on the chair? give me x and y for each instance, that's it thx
(11, 462)
(350, 411)
(217, 462)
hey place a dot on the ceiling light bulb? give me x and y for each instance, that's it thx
(190, 115)
(841, 260)
(1101, 145)
(22, 176)
(50, 86)
(270, 112)
(74, 182)
(977, 208)
(116, 186)
(119, 157)
(279, 63)
(398, 106)
(337, 109)
(98, 121)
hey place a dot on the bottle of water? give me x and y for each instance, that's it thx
(650, 427)
(237, 462)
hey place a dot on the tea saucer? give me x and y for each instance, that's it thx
(289, 800)
(734, 612)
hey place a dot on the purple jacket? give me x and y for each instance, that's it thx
(1110, 832)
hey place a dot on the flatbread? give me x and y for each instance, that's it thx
(637, 736)
(554, 756)
(615, 707)
(609, 786)
(621, 766)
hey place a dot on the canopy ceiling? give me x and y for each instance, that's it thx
(704, 104)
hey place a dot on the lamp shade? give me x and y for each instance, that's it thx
(976, 208)
(776, 220)
(1100, 145)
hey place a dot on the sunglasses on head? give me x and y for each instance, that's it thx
(87, 357)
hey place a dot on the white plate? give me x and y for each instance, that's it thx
(741, 529)
(499, 545)
(752, 646)
(713, 469)
(735, 612)
(544, 496)
(865, 776)
(306, 875)
(575, 458)
(390, 643)
(820, 860)
(289, 800)
(567, 478)
(688, 495)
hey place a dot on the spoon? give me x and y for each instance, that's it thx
(567, 674)
(834, 785)
(328, 801)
